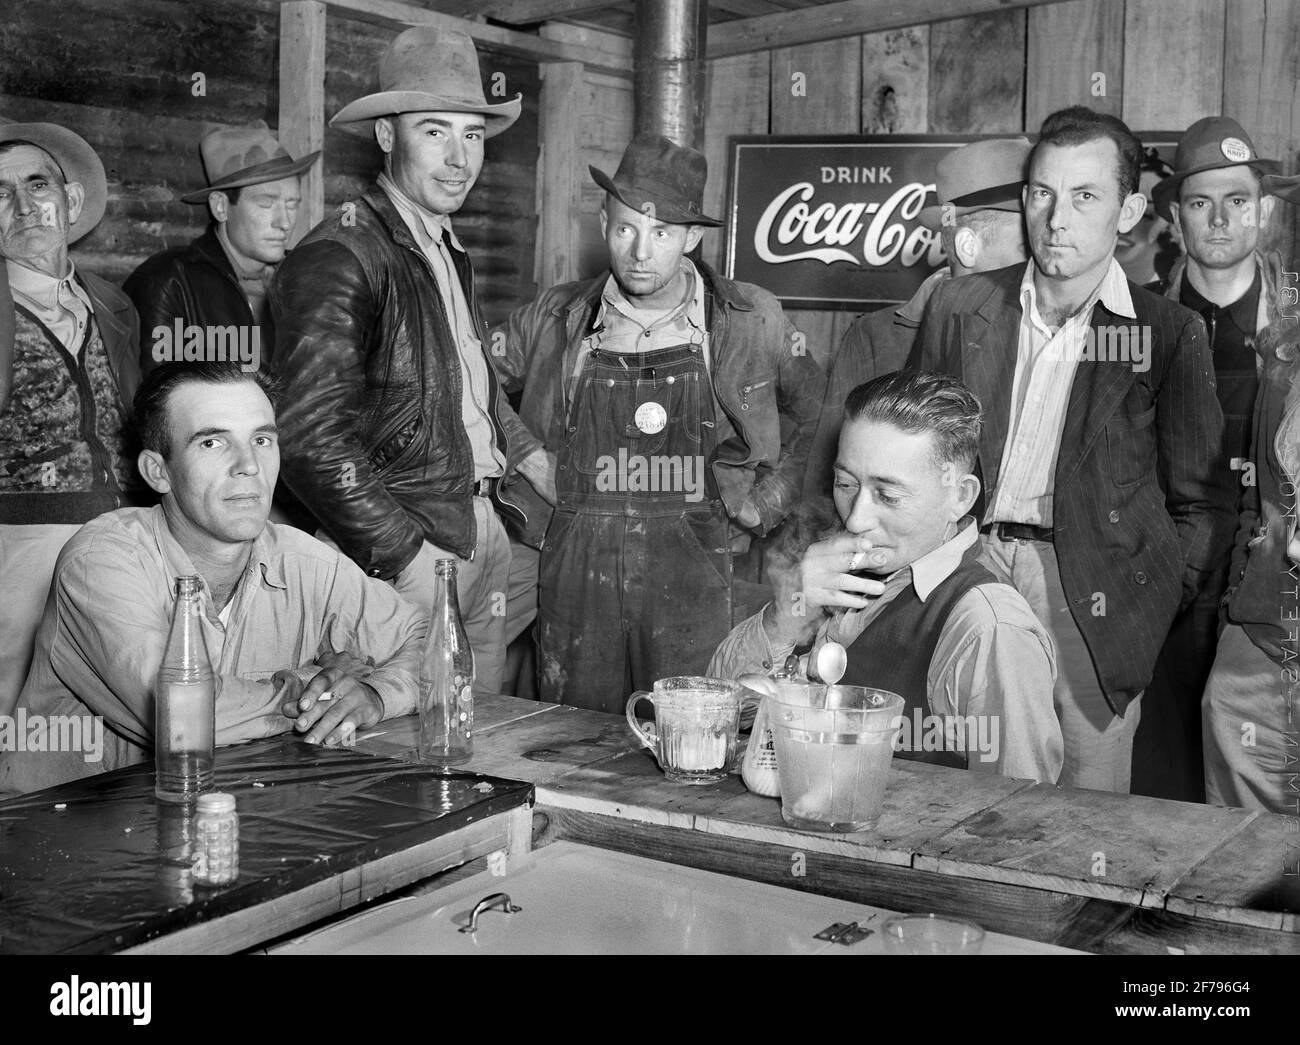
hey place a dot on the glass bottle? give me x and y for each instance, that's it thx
(446, 678)
(185, 705)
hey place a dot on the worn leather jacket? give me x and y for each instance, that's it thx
(764, 377)
(371, 434)
(195, 283)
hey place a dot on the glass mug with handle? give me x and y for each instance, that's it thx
(697, 719)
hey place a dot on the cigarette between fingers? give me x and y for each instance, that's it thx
(327, 695)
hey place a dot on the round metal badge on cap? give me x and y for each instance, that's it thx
(1235, 149)
(651, 418)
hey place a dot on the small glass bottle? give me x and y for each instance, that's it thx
(446, 678)
(185, 705)
(216, 839)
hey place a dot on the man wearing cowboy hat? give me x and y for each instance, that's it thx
(981, 220)
(1216, 200)
(395, 433)
(1108, 500)
(219, 280)
(75, 367)
(676, 408)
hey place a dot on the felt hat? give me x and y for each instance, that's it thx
(426, 69)
(660, 178)
(78, 161)
(234, 157)
(982, 175)
(1208, 145)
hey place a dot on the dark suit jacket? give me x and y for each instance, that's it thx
(1143, 499)
(874, 345)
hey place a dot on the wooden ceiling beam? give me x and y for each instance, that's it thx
(844, 18)
(521, 12)
(398, 15)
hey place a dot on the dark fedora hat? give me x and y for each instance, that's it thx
(234, 157)
(426, 69)
(78, 161)
(660, 178)
(983, 175)
(1209, 144)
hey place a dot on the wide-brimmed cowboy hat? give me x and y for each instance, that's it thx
(428, 70)
(1209, 144)
(983, 175)
(660, 178)
(78, 161)
(234, 157)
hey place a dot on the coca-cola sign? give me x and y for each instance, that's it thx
(832, 222)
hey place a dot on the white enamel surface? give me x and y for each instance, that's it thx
(582, 900)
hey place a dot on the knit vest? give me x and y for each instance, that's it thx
(895, 651)
(62, 452)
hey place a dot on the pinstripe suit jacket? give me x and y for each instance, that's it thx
(1142, 497)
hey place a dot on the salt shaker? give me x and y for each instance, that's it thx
(216, 839)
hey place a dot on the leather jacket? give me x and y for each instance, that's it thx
(195, 283)
(372, 439)
(764, 378)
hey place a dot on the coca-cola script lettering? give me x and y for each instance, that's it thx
(793, 228)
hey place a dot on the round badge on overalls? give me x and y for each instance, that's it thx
(651, 418)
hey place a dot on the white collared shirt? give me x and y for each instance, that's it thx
(993, 659)
(428, 228)
(1045, 368)
(61, 304)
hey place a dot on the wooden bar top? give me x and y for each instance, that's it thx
(1083, 868)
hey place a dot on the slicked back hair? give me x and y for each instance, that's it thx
(917, 401)
(149, 409)
(1078, 125)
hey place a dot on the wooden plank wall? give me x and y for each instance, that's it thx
(121, 73)
(1165, 64)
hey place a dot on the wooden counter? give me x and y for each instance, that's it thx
(1086, 869)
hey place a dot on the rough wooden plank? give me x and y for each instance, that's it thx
(1090, 843)
(921, 803)
(1038, 915)
(1262, 92)
(896, 81)
(1253, 878)
(817, 88)
(1173, 62)
(1075, 57)
(632, 785)
(738, 98)
(848, 18)
(397, 737)
(1163, 932)
(559, 178)
(302, 101)
(508, 41)
(614, 49)
(977, 74)
(543, 747)
(520, 12)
